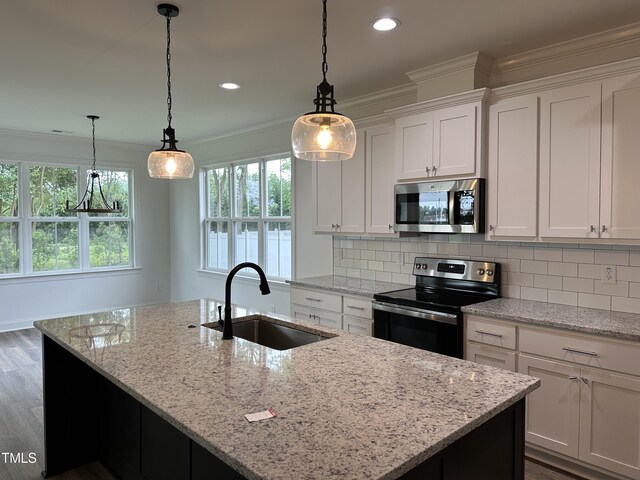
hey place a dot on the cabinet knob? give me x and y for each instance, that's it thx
(427, 170)
(434, 170)
(390, 227)
(337, 225)
(592, 229)
(604, 228)
(491, 228)
(333, 225)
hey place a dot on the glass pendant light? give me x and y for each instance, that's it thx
(323, 135)
(168, 161)
(93, 200)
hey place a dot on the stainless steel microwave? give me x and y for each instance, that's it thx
(453, 206)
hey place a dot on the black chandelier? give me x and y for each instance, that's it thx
(93, 200)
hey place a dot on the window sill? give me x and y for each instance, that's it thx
(50, 276)
(249, 278)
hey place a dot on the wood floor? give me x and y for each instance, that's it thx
(21, 426)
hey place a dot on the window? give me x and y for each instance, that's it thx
(248, 216)
(38, 236)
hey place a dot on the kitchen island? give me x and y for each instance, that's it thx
(153, 394)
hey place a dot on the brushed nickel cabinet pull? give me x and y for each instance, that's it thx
(604, 229)
(355, 308)
(586, 382)
(573, 378)
(427, 170)
(593, 229)
(581, 352)
(311, 299)
(434, 170)
(482, 332)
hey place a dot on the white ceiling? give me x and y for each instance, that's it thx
(61, 60)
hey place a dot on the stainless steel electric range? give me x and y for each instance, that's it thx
(429, 315)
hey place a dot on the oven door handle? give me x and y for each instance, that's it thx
(416, 312)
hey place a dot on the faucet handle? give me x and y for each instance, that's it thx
(220, 320)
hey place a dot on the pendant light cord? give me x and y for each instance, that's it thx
(169, 69)
(324, 40)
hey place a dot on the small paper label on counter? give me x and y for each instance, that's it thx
(254, 417)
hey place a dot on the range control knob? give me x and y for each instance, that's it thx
(489, 272)
(424, 266)
(480, 271)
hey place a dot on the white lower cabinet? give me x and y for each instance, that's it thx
(587, 407)
(332, 310)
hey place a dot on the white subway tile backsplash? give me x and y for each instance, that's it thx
(573, 284)
(589, 270)
(577, 256)
(547, 281)
(533, 266)
(623, 304)
(537, 294)
(562, 269)
(548, 254)
(448, 249)
(612, 258)
(565, 298)
(558, 273)
(620, 289)
(629, 274)
(588, 300)
(520, 252)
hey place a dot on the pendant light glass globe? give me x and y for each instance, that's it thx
(170, 164)
(323, 137)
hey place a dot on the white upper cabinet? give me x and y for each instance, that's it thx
(379, 166)
(454, 141)
(619, 216)
(338, 194)
(512, 186)
(570, 161)
(440, 138)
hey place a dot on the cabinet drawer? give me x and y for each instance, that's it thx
(328, 319)
(317, 299)
(491, 356)
(357, 307)
(357, 325)
(489, 332)
(582, 349)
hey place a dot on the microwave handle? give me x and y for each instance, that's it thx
(416, 312)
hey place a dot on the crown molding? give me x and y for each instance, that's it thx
(563, 51)
(478, 95)
(473, 61)
(399, 93)
(56, 137)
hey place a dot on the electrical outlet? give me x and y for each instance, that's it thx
(399, 257)
(609, 274)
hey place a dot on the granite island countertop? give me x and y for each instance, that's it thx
(348, 285)
(351, 406)
(625, 326)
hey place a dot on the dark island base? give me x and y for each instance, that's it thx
(88, 418)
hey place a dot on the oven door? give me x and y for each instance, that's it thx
(438, 332)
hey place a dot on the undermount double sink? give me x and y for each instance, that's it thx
(264, 331)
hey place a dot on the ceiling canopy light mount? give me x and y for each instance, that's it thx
(168, 161)
(323, 135)
(93, 200)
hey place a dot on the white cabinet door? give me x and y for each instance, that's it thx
(414, 146)
(327, 195)
(454, 141)
(619, 216)
(610, 421)
(552, 413)
(352, 195)
(380, 180)
(570, 161)
(512, 186)
(304, 314)
(357, 325)
(491, 356)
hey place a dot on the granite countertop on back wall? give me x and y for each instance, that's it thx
(349, 407)
(625, 326)
(348, 285)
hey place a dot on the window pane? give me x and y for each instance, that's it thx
(247, 183)
(108, 244)
(115, 187)
(279, 187)
(278, 249)
(218, 179)
(8, 190)
(9, 247)
(50, 187)
(218, 245)
(54, 246)
(246, 237)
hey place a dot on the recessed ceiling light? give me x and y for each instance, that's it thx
(229, 86)
(385, 24)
